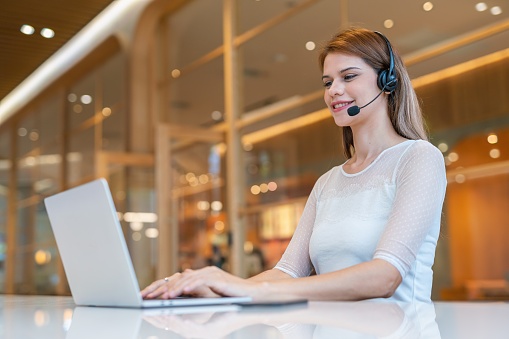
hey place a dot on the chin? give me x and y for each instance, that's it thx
(341, 121)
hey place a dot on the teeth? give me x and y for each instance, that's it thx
(340, 105)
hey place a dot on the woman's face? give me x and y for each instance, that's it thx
(350, 81)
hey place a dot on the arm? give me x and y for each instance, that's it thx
(270, 275)
(372, 279)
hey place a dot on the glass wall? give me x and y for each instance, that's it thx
(38, 139)
(194, 107)
(5, 168)
(56, 143)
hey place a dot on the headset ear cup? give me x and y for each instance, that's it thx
(387, 82)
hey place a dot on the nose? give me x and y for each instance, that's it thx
(336, 88)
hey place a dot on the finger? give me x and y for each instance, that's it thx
(159, 287)
(198, 282)
(159, 292)
(191, 282)
(152, 287)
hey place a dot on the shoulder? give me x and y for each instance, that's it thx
(422, 149)
(327, 175)
(321, 182)
(420, 158)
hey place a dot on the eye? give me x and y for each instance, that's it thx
(327, 84)
(349, 77)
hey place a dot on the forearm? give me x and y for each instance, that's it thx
(270, 275)
(373, 279)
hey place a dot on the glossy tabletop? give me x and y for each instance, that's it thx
(57, 317)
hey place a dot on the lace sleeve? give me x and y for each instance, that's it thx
(416, 212)
(296, 261)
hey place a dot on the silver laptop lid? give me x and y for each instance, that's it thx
(92, 246)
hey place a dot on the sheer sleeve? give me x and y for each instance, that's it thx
(296, 260)
(416, 212)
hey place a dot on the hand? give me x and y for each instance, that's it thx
(206, 325)
(161, 289)
(206, 282)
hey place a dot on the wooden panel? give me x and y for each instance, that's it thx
(471, 97)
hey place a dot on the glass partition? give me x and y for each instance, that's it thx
(198, 198)
(132, 188)
(112, 108)
(5, 169)
(189, 101)
(39, 135)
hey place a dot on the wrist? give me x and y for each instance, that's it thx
(262, 290)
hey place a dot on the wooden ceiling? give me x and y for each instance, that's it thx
(21, 54)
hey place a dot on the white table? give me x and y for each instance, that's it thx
(43, 317)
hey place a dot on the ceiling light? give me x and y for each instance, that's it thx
(47, 33)
(106, 111)
(203, 179)
(272, 186)
(216, 206)
(492, 139)
(453, 156)
(22, 132)
(34, 136)
(388, 23)
(77, 108)
(443, 147)
(216, 115)
(219, 225)
(427, 6)
(481, 7)
(136, 226)
(255, 189)
(27, 29)
(203, 205)
(175, 73)
(310, 45)
(72, 97)
(152, 233)
(495, 153)
(496, 10)
(460, 178)
(86, 99)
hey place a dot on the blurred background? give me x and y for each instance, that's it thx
(207, 119)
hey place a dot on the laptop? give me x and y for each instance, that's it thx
(95, 255)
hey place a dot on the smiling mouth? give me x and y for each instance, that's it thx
(343, 104)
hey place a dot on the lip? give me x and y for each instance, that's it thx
(342, 105)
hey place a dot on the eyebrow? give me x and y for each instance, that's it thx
(342, 71)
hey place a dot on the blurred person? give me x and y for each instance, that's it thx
(370, 226)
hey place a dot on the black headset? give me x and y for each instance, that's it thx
(387, 79)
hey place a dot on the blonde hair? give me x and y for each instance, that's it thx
(403, 105)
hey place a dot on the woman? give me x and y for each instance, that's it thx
(370, 226)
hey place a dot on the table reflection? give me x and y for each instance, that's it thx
(368, 319)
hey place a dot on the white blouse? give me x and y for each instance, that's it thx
(391, 210)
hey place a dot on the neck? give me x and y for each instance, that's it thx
(373, 138)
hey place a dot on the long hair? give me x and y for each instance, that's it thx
(403, 106)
